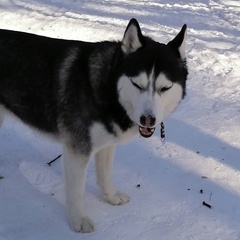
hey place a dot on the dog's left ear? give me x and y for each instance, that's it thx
(179, 43)
(133, 38)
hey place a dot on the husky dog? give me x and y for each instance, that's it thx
(91, 96)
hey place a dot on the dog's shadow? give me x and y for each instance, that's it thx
(207, 145)
(169, 175)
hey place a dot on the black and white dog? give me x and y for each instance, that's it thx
(91, 96)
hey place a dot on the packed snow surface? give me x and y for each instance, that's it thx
(168, 183)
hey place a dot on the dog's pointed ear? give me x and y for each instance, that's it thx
(179, 43)
(133, 38)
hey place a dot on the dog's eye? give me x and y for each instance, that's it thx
(136, 85)
(164, 89)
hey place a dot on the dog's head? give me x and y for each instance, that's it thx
(153, 77)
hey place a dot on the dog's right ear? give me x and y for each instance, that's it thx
(133, 38)
(179, 42)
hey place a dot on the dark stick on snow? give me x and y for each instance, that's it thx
(206, 204)
(49, 163)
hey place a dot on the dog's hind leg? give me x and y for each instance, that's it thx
(104, 164)
(75, 167)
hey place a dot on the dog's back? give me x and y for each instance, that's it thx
(26, 77)
(29, 76)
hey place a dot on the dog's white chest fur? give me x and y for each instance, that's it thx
(100, 137)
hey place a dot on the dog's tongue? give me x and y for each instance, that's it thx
(146, 132)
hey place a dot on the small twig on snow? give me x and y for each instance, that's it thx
(210, 197)
(206, 204)
(49, 163)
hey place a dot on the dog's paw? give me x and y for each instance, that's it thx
(84, 225)
(117, 199)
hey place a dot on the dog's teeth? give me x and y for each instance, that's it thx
(146, 131)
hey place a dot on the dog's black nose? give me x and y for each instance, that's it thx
(147, 121)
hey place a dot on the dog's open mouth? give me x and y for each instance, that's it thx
(146, 131)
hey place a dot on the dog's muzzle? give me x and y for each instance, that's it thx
(147, 122)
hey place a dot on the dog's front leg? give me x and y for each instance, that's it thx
(104, 164)
(75, 169)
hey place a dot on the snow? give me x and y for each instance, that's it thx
(202, 137)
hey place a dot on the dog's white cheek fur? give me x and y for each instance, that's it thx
(128, 96)
(170, 99)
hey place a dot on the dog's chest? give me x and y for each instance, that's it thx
(100, 137)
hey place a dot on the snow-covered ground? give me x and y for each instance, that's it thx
(200, 160)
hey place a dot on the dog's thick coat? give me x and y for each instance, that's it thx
(91, 96)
